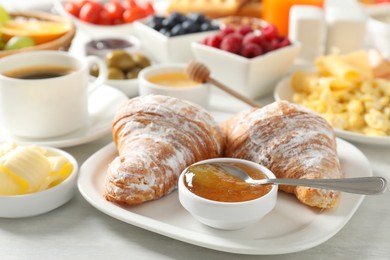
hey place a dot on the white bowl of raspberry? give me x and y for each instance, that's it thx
(250, 59)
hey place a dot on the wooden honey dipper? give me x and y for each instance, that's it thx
(198, 72)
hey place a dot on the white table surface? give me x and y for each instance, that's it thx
(77, 230)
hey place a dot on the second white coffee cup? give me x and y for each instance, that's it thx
(45, 93)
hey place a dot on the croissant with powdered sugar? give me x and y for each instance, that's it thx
(292, 142)
(157, 137)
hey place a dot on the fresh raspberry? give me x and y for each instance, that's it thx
(266, 46)
(251, 50)
(270, 32)
(283, 42)
(214, 40)
(271, 45)
(232, 43)
(253, 38)
(227, 30)
(245, 29)
(205, 41)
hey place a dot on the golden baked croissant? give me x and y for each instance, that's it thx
(292, 142)
(157, 137)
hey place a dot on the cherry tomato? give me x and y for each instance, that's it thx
(90, 12)
(149, 9)
(128, 4)
(104, 18)
(132, 14)
(114, 10)
(118, 21)
(72, 8)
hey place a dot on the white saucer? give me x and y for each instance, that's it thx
(103, 104)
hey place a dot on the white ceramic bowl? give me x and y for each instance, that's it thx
(89, 50)
(127, 86)
(228, 215)
(198, 94)
(93, 30)
(44, 201)
(253, 77)
(167, 49)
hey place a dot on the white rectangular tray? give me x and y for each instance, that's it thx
(290, 227)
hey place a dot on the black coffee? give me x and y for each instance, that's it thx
(39, 72)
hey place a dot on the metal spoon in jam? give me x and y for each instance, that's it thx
(362, 185)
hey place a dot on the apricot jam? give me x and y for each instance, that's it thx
(216, 183)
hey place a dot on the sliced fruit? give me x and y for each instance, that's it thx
(39, 31)
(19, 42)
(4, 15)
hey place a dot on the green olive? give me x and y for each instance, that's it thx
(120, 59)
(94, 71)
(133, 74)
(115, 73)
(141, 60)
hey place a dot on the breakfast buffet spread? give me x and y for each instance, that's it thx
(170, 146)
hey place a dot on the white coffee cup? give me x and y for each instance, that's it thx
(198, 94)
(46, 107)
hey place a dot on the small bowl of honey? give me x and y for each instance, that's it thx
(218, 199)
(170, 79)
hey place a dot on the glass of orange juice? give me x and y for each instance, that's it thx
(277, 11)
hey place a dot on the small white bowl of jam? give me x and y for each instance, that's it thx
(170, 79)
(220, 200)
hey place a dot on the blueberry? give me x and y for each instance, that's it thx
(168, 23)
(206, 26)
(155, 25)
(153, 20)
(187, 24)
(197, 18)
(190, 26)
(177, 30)
(157, 18)
(165, 32)
(177, 17)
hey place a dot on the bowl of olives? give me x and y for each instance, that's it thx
(168, 38)
(123, 68)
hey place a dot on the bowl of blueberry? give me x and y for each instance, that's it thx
(168, 38)
(247, 54)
